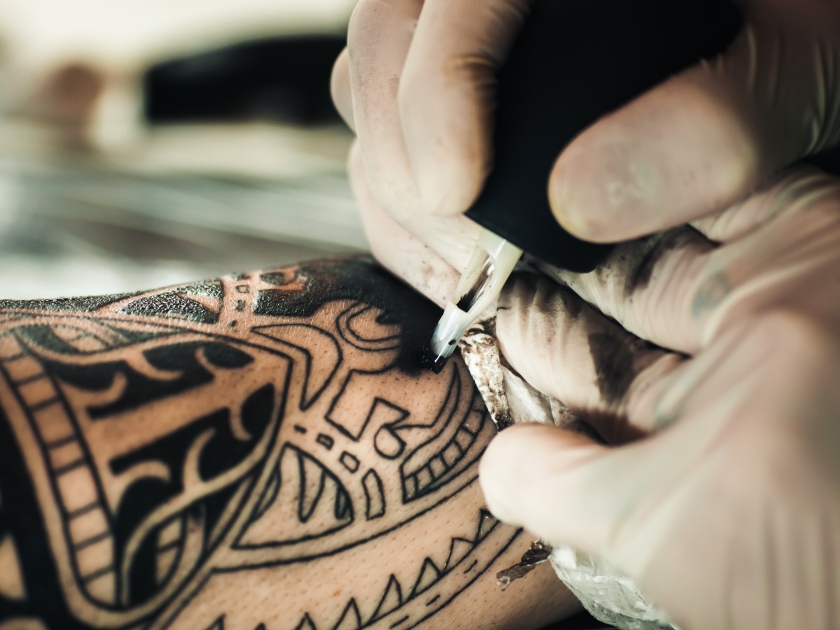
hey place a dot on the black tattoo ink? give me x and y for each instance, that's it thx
(350, 617)
(433, 585)
(325, 440)
(374, 495)
(349, 461)
(389, 417)
(165, 443)
(644, 254)
(357, 280)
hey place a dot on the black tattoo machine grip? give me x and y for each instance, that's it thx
(573, 62)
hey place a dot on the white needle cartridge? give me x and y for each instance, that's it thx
(492, 262)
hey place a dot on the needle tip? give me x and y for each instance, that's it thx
(427, 359)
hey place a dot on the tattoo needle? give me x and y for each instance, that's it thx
(493, 260)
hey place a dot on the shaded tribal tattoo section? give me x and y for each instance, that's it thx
(223, 426)
(404, 606)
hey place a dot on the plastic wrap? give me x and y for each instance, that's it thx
(607, 594)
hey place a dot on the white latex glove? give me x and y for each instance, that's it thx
(730, 517)
(728, 512)
(417, 85)
(721, 493)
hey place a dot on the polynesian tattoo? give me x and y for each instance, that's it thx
(153, 443)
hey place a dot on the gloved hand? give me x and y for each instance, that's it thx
(417, 85)
(720, 492)
(728, 511)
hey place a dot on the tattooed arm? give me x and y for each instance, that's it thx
(251, 452)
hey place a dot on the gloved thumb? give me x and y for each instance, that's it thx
(559, 485)
(708, 136)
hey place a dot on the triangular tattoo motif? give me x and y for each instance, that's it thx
(391, 600)
(350, 618)
(429, 574)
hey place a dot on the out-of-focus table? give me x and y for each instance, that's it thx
(74, 223)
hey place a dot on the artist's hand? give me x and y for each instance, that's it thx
(729, 513)
(730, 516)
(417, 85)
(720, 491)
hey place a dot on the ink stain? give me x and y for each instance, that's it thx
(538, 553)
(572, 304)
(639, 278)
(541, 293)
(613, 360)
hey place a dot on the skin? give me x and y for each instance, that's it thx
(250, 452)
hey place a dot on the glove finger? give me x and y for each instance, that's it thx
(394, 247)
(705, 138)
(645, 285)
(565, 348)
(447, 96)
(375, 71)
(680, 290)
(567, 489)
(342, 95)
(378, 39)
(790, 192)
(665, 503)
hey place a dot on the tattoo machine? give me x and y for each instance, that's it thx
(573, 62)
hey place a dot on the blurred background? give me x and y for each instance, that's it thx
(148, 142)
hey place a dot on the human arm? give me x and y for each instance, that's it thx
(251, 450)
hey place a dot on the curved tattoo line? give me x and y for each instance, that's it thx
(345, 329)
(164, 512)
(308, 399)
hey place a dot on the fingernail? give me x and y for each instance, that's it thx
(594, 189)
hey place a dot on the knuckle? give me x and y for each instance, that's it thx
(470, 73)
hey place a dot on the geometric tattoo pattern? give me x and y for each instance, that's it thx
(195, 474)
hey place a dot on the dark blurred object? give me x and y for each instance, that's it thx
(828, 160)
(281, 80)
(582, 621)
